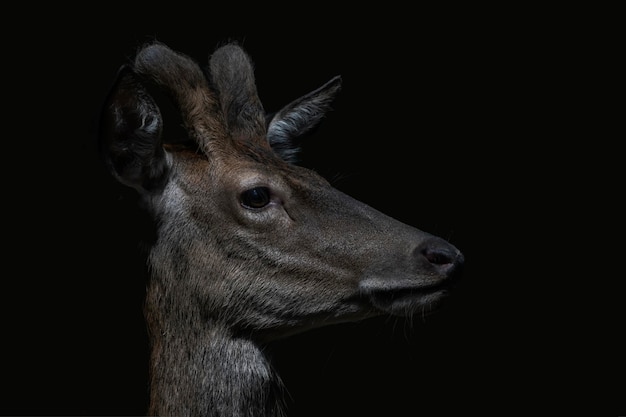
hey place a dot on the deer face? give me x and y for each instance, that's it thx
(245, 236)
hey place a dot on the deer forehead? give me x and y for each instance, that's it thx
(240, 170)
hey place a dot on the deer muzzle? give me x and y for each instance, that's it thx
(435, 270)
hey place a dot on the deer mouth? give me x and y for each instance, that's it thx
(407, 300)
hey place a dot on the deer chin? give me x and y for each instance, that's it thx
(406, 300)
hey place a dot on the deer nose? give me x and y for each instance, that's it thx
(443, 256)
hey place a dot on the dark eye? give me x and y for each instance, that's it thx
(255, 197)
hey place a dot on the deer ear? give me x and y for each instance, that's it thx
(130, 134)
(300, 117)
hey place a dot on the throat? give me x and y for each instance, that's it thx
(213, 375)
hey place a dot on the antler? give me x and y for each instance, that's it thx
(232, 74)
(183, 79)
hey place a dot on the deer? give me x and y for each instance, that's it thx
(249, 247)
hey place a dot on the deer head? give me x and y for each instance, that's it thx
(247, 240)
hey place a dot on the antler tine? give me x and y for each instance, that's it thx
(184, 80)
(232, 74)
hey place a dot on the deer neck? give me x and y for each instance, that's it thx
(212, 373)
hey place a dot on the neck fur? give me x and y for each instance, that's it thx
(213, 374)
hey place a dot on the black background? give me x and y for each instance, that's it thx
(440, 124)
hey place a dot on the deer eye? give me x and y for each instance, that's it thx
(255, 198)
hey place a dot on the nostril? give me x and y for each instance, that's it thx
(438, 256)
(441, 255)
